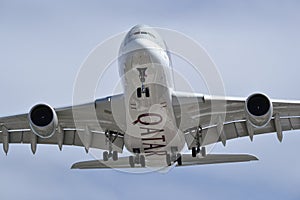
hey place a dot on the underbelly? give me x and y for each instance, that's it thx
(151, 127)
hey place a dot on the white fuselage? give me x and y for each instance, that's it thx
(144, 65)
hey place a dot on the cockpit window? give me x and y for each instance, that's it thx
(144, 33)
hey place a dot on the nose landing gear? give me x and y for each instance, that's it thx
(142, 90)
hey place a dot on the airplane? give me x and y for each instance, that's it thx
(149, 119)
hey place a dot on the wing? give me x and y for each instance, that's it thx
(198, 115)
(75, 124)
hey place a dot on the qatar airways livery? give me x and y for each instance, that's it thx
(149, 119)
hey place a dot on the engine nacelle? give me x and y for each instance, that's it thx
(43, 120)
(259, 109)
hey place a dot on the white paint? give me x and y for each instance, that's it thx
(151, 125)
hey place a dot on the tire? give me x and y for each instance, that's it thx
(115, 155)
(139, 92)
(147, 91)
(105, 156)
(173, 158)
(179, 159)
(194, 152)
(203, 151)
(142, 161)
(137, 159)
(131, 161)
(168, 159)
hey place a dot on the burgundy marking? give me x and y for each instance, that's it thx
(159, 138)
(153, 146)
(151, 130)
(148, 115)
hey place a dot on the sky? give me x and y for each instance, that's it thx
(254, 44)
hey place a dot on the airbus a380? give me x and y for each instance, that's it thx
(153, 122)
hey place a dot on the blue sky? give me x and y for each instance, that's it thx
(254, 44)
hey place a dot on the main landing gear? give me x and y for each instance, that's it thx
(111, 136)
(174, 157)
(110, 154)
(137, 159)
(197, 150)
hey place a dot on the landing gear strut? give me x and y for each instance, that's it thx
(143, 89)
(198, 149)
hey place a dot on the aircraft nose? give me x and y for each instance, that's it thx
(136, 31)
(145, 32)
(139, 27)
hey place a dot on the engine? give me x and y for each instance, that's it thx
(43, 120)
(259, 109)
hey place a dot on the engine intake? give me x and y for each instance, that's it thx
(43, 120)
(259, 109)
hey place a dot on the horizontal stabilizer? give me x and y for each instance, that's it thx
(122, 162)
(188, 160)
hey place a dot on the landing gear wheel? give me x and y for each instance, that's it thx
(131, 161)
(203, 151)
(168, 159)
(139, 92)
(137, 159)
(115, 155)
(179, 159)
(142, 161)
(147, 92)
(105, 156)
(173, 157)
(194, 152)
